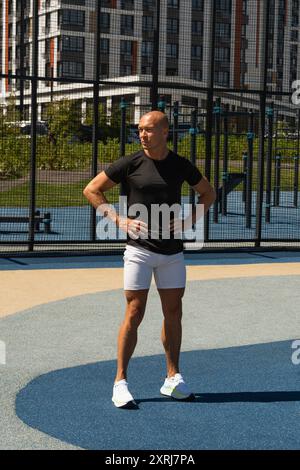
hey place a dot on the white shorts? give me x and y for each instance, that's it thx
(139, 263)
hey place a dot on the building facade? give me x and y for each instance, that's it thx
(67, 47)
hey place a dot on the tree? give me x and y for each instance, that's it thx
(63, 119)
(13, 147)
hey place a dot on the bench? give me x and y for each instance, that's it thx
(38, 219)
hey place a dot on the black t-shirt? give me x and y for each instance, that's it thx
(147, 181)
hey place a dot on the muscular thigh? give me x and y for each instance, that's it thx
(137, 297)
(171, 300)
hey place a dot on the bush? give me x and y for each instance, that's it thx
(14, 157)
(62, 155)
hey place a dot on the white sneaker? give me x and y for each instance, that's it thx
(176, 387)
(122, 398)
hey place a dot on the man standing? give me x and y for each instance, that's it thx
(152, 176)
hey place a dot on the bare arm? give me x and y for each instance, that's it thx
(207, 193)
(94, 192)
(207, 198)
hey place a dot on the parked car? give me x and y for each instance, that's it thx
(41, 128)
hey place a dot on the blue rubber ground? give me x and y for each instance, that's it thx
(246, 398)
(73, 223)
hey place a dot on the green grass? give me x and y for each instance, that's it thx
(55, 195)
(70, 194)
(50, 195)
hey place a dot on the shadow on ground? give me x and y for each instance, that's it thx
(245, 398)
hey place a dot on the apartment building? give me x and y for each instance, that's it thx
(67, 47)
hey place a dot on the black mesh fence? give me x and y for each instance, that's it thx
(76, 77)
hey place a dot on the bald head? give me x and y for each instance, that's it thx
(153, 132)
(156, 118)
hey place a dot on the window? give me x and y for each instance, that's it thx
(127, 24)
(270, 76)
(48, 22)
(127, 5)
(294, 35)
(26, 28)
(173, 25)
(197, 27)
(105, 20)
(72, 17)
(222, 78)
(196, 74)
(281, 7)
(71, 69)
(106, 4)
(295, 20)
(224, 6)
(189, 101)
(48, 70)
(72, 43)
(223, 30)
(243, 55)
(104, 45)
(27, 50)
(148, 23)
(146, 70)
(270, 55)
(147, 48)
(196, 52)
(197, 4)
(125, 70)
(126, 48)
(171, 71)
(222, 54)
(173, 3)
(104, 70)
(294, 54)
(280, 61)
(172, 51)
(148, 4)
